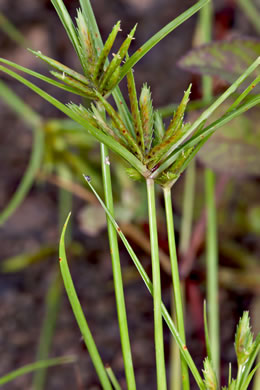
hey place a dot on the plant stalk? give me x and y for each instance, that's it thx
(212, 268)
(176, 281)
(158, 324)
(211, 233)
(117, 275)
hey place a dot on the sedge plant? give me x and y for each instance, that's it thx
(155, 153)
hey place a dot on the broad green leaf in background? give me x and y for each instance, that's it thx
(235, 148)
(226, 59)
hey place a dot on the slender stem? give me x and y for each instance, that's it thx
(158, 325)
(117, 275)
(187, 209)
(211, 234)
(176, 280)
(212, 268)
(113, 378)
(175, 360)
(252, 12)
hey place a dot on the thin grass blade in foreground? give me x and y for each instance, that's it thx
(158, 325)
(183, 349)
(36, 366)
(79, 315)
(176, 280)
(117, 274)
(211, 226)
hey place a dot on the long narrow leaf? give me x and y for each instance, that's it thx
(43, 78)
(183, 349)
(36, 366)
(98, 134)
(67, 24)
(145, 48)
(28, 178)
(79, 315)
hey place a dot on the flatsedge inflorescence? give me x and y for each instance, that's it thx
(146, 137)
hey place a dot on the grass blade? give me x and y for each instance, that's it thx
(176, 280)
(28, 178)
(113, 378)
(36, 366)
(43, 78)
(79, 315)
(67, 24)
(145, 48)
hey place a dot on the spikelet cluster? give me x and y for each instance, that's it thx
(99, 75)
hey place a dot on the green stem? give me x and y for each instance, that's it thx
(176, 280)
(251, 12)
(158, 325)
(187, 209)
(212, 268)
(211, 234)
(118, 283)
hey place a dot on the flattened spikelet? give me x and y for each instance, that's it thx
(135, 110)
(177, 119)
(74, 83)
(120, 126)
(146, 111)
(118, 58)
(99, 69)
(86, 43)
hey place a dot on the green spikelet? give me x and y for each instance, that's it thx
(210, 378)
(99, 69)
(62, 68)
(159, 129)
(118, 58)
(135, 110)
(112, 82)
(103, 125)
(177, 119)
(146, 110)
(159, 150)
(87, 46)
(75, 84)
(180, 164)
(243, 339)
(83, 112)
(120, 126)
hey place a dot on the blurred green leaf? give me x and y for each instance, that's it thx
(235, 148)
(226, 59)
